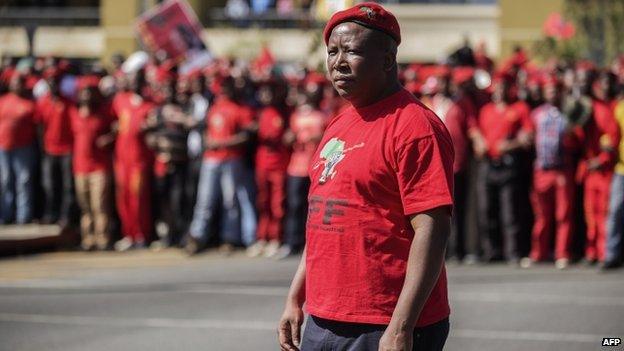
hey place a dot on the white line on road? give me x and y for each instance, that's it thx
(271, 326)
(525, 336)
(549, 299)
(273, 291)
(138, 322)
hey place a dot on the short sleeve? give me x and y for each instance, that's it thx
(425, 174)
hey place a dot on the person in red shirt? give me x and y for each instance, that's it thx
(91, 126)
(272, 157)
(17, 152)
(505, 127)
(133, 165)
(372, 274)
(53, 115)
(601, 136)
(306, 128)
(227, 133)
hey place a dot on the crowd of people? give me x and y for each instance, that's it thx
(153, 156)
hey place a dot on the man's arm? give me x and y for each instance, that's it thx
(236, 140)
(289, 329)
(424, 264)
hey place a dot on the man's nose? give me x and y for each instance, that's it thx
(341, 62)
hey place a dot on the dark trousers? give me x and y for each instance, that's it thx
(192, 181)
(457, 242)
(322, 334)
(58, 185)
(170, 192)
(498, 209)
(296, 211)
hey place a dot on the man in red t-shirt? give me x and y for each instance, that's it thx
(53, 116)
(133, 165)
(601, 136)
(506, 128)
(222, 171)
(91, 125)
(17, 152)
(372, 274)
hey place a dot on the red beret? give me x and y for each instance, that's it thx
(89, 81)
(52, 73)
(462, 74)
(367, 14)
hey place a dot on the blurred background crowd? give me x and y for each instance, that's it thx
(149, 151)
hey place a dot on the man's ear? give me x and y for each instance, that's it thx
(389, 61)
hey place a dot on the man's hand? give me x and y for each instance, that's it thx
(289, 330)
(594, 164)
(396, 340)
(213, 145)
(104, 141)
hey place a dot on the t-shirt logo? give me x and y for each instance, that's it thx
(332, 153)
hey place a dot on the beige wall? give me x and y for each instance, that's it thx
(117, 19)
(520, 21)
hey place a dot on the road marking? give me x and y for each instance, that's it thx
(139, 322)
(548, 299)
(175, 323)
(525, 336)
(74, 287)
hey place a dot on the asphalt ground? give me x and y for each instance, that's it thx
(164, 301)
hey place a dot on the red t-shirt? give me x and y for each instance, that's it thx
(460, 119)
(374, 167)
(499, 124)
(132, 111)
(271, 154)
(308, 126)
(225, 119)
(88, 157)
(17, 122)
(53, 113)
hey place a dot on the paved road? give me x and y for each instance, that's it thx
(164, 301)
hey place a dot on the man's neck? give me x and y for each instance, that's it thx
(389, 90)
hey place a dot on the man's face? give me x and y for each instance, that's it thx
(551, 93)
(16, 85)
(355, 62)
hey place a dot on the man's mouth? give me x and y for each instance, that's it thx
(342, 79)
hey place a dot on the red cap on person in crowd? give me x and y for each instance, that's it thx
(31, 81)
(86, 82)
(548, 79)
(52, 73)
(502, 76)
(7, 74)
(163, 74)
(462, 74)
(585, 65)
(367, 14)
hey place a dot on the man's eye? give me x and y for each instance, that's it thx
(331, 52)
